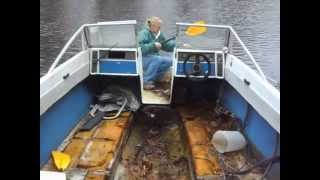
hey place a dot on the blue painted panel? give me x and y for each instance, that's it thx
(261, 133)
(61, 118)
(189, 66)
(234, 102)
(123, 67)
(258, 131)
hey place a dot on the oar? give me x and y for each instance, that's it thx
(165, 41)
(196, 30)
(191, 31)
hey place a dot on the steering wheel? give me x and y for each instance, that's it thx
(196, 67)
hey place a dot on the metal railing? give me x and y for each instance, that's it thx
(65, 48)
(230, 31)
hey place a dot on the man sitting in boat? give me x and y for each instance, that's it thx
(151, 41)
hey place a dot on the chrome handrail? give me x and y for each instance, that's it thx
(56, 61)
(249, 54)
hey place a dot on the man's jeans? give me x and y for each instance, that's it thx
(154, 67)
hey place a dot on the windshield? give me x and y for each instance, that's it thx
(212, 39)
(107, 36)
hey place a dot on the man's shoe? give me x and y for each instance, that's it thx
(149, 86)
(166, 92)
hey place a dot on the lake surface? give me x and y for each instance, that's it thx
(257, 22)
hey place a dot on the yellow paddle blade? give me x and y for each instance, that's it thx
(196, 30)
(61, 160)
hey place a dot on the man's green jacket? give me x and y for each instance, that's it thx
(146, 40)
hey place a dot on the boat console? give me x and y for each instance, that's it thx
(199, 64)
(113, 48)
(113, 62)
(205, 56)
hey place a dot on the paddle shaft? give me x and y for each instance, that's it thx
(167, 40)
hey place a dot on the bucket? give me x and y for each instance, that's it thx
(227, 141)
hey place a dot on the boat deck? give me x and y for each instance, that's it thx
(160, 95)
(165, 148)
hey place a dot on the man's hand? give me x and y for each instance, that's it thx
(158, 45)
(185, 45)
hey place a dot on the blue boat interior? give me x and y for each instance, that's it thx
(121, 67)
(64, 115)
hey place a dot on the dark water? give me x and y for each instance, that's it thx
(256, 21)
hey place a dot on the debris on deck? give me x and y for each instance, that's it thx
(199, 130)
(154, 151)
(200, 124)
(94, 151)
